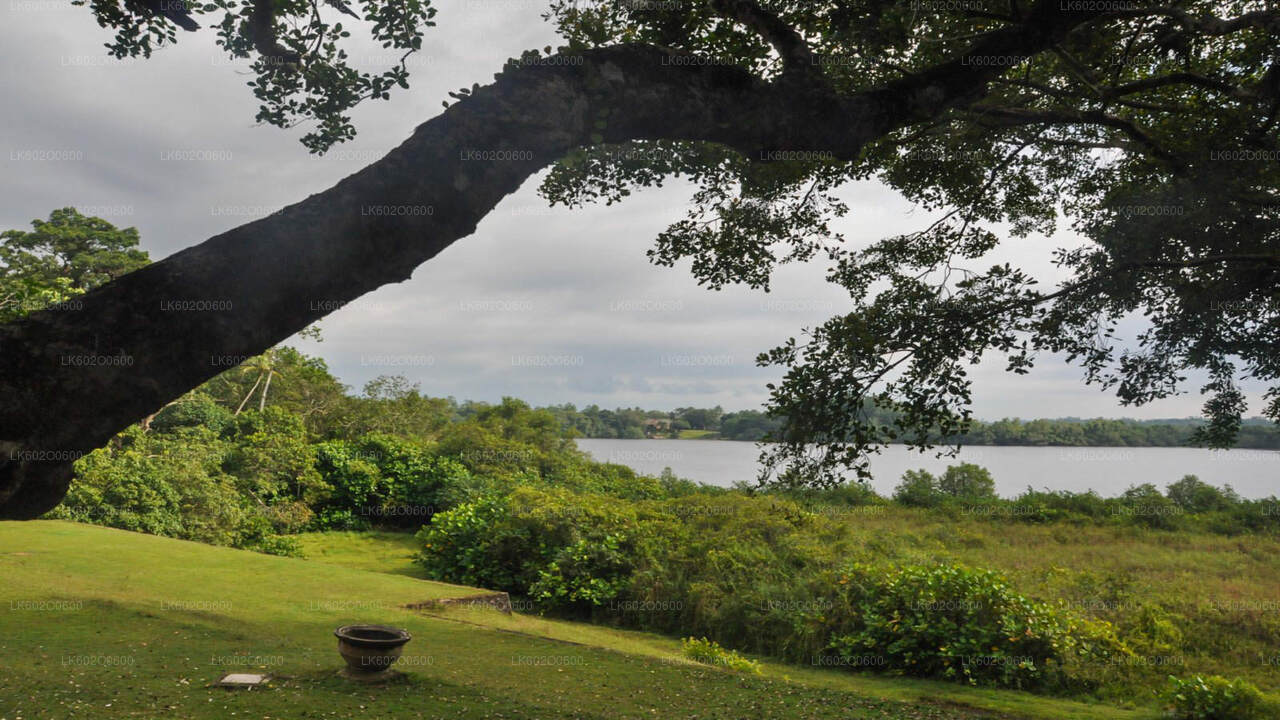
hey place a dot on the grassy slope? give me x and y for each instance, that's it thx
(388, 552)
(109, 624)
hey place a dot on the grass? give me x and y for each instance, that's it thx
(699, 435)
(389, 552)
(104, 623)
(1206, 604)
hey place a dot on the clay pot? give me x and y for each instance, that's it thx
(370, 648)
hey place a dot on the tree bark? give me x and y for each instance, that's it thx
(70, 380)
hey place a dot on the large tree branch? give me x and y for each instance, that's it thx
(262, 29)
(1267, 20)
(1011, 117)
(70, 380)
(796, 56)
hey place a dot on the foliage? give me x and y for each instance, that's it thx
(474, 544)
(193, 410)
(919, 488)
(1158, 171)
(537, 542)
(1149, 507)
(709, 652)
(60, 258)
(587, 572)
(1194, 496)
(172, 485)
(967, 480)
(595, 422)
(301, 70)
(958, 623)
(1151, 131)
(391, 405)
(300, 385)
(760, 573)
(1214, 698)
(383, 479)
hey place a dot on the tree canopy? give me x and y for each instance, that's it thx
(62, 257)
(1149, 128)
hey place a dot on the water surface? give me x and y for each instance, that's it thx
(1108, 470)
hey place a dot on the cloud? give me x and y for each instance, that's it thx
(542, 303)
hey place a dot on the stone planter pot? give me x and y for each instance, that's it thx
(370, 649)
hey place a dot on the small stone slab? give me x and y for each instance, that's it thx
(243, 680)
(499, 601)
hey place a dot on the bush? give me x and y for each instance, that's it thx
(585, 573)
(968, 481)
(1194, 496)
(566, 550)
(195, 411)
(385, 481)
(354, 483)
(919, 488)
(953, 622)
(473, 544)
(760, 574)
(709, 652)
(1214, 698)
(1144, 505)
(162, 484)
(1043, 506)
(339, 519)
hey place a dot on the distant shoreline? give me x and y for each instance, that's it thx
(1009, 445)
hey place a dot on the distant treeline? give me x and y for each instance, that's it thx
(714, 423)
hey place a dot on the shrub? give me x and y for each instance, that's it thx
(353, 481)
(473, 544)
(967, 480)
(957, 623)
(848, 494)
(919, 488)
(760, 575)
(259, 535)
(1195, 496)
(1044, 506)
(197, 410)
(564, 549)
(709, 652)
(585, 573)
(1214, 698)
(339, 519)
(413, 480)
(1144, 505)
(605, 479)
(385, 480)
(169, 484)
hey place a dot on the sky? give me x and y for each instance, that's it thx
(545, 304)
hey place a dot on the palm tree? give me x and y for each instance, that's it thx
(264, 366)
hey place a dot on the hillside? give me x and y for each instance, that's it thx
(111, 624)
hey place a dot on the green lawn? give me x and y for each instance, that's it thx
(699, 435)
(102, 623)
(389, 552)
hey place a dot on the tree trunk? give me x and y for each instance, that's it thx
(262, 401)
(70, 380)
(248, 395)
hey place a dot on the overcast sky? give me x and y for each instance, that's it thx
(544, 304)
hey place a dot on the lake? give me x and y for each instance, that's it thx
(1108, 470)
